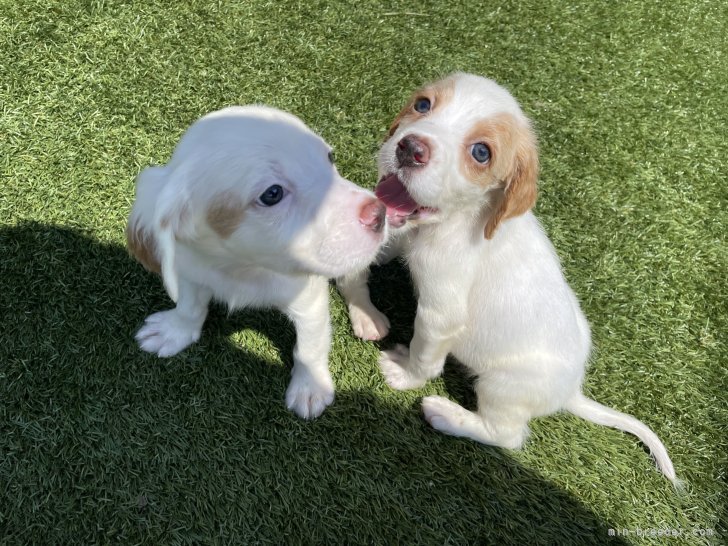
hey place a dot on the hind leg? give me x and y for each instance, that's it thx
(496, 430)
(510, 394)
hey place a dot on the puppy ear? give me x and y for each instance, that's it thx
(141, 245)
(395, 124)
(139, 234)
(172, 221)
(519, 193)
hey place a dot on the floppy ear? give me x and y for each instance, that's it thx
(139, 233)
(141, 245)
(519, 193)
(392, 129)
(395, 124)
(172, 221)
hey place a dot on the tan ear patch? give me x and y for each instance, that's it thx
(516, 169)
(440, 94)
(142, 246)
(225, 213)
(512, 169)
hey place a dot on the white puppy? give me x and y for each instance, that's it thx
(251, 211)
(460, 167)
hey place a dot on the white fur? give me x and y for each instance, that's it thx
(278, 256)
(501, 306)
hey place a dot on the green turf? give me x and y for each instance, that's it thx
(100, 443)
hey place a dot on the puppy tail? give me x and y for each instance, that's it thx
(593, 411)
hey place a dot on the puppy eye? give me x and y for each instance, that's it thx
(331, 157)
(271, 196)
(480, 152)
(423, 105)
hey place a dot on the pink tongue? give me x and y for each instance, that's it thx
(394, 195)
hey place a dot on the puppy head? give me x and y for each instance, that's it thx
(461, 144)
(254, 187)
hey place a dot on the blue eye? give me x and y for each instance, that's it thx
(480, 152)
(423, 105)
(271, 196)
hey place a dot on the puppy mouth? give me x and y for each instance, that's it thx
(401, 206)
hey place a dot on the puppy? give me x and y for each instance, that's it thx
(459, 167)
(251, 211)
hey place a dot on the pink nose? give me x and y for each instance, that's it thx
(412, 151)
(373, 214)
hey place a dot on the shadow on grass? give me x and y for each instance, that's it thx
(100, 442)
(393, 278)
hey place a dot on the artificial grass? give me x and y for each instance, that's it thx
(101, 443)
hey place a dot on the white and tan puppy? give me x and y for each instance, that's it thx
(251, 211)
(460, 168)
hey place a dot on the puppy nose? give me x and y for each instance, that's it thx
(373, 214)
(412, 151)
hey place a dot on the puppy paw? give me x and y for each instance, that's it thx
(308, 396)
(166, 333)
(444, 415)
(368, 323)
(394, 368)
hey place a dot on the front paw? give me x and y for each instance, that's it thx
(368, 323)
(166, 333)
(394, 365)
(308, 396)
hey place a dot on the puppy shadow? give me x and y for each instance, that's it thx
(104, 443)
(392, 293)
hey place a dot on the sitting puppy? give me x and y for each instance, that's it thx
(460, 168)
(251, 211)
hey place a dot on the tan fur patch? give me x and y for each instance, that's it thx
(142, 246)
(513, 165)
(440, 94)
(225, 213)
